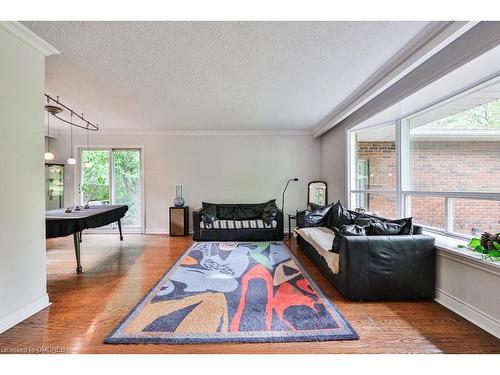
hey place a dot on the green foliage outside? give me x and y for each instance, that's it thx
(95, 178)
(485, 116)
(126, 176)
(127, 172)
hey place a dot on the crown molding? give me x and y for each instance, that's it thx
(152, 132)
(29, 37)
(432, 39)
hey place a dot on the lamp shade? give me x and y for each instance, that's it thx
(71, 161)
(48, 156)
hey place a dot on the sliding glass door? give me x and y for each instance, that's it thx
(113, 176)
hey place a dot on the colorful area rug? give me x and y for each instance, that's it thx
(234, 292)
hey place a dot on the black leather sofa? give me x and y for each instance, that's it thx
(243, 228)
(380, 267)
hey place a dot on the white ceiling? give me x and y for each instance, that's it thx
(214, 75)
(480, 70)
(461, 104)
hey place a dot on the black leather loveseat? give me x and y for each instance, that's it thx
(374, 267)
(238, 222)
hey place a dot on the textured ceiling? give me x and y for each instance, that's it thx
(214, 75)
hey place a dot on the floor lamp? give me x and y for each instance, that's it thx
(283, 198)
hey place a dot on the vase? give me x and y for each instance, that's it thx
(178, 201)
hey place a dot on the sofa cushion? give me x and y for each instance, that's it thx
(239, 224)
(249, 211)
(226, 211)
(270, 211)
(321, 239)
(244, 211)
(338, 216)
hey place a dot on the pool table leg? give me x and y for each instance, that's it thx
(76, 241)
(120, 228)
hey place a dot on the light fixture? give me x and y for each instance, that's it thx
(88, 164)
(50, 109)
(71, 160)
(48, 155)
(56, 108)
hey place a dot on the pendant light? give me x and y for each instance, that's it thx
(71, 160)
(88, 164)
(48, 155)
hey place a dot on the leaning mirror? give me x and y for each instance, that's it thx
(317, 193)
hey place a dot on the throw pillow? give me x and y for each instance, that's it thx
(384, 228)
(339, 216)
(307, 219)
(407, 225)
(317, 207)
(314, 218)
(350, 230)
(209, 212)
(363, 221)
(270, 212)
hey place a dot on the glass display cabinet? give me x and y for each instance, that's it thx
(54, 186)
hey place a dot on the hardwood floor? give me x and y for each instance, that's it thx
(85, 308)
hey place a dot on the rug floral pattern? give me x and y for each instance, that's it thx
(234, 292)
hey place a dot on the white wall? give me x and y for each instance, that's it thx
(333, 162)
(22, 221)
(467, 287)
(212, 168)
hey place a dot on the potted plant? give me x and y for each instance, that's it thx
(488, 246)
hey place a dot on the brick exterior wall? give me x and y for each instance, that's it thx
(439, 166)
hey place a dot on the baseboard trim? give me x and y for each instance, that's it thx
(160, 231)
(24, 313)
(483, 320)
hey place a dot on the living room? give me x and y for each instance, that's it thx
(230, 186)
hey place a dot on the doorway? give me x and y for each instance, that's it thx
(113, 176)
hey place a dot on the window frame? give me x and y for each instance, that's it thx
(352, 167)
(402, 191)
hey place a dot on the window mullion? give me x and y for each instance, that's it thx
(449, 214)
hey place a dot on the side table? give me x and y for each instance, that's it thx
(179, 221)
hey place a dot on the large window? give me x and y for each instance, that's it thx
(448, 178)
(373, 171)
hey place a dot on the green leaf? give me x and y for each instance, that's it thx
(480, 249)
(460, 246)
(494, 253)
(496, 245)
(474, 242)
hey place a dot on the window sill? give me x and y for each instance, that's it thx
(447, 247)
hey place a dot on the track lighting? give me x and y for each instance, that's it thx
(54, 110)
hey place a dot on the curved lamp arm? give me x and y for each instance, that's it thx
(283, 197)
